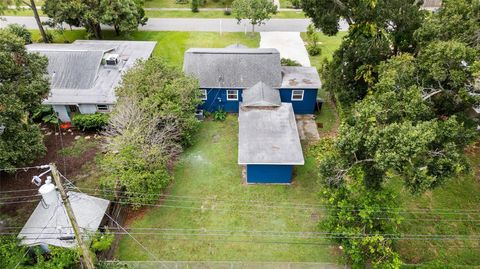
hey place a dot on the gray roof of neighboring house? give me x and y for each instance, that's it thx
(300, 77)
(261, 95)
(269, 136)
(77, 75)
(432, 3)
(47, 225)
(233, 67)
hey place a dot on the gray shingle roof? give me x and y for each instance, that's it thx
(88, 211)
(233, 67)
(73, 69)
(76, 72)
(269, 136)
(261, 95)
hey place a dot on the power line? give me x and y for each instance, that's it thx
(316, 205)
(18, 202)
(24, 168)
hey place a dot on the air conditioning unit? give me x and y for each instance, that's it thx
(111, 59)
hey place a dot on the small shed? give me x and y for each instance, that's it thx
(49, 225)
(269, 145)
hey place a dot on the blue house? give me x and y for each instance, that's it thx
(269, 146)
(224, 73)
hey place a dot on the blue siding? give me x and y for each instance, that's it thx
(307, 106)
(217, 99)
(259, 173)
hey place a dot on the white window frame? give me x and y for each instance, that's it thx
(232, 99)
(204, 95)
(103, 110)
(297, 92)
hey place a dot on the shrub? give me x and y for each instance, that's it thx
(227, 12)
(219, 115)
(46, 114)
(90, 121)
(296, 3)
(289, 62)
(313, 49)
(20, 31)
(195, 4)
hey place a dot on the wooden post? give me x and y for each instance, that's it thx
(86, 259)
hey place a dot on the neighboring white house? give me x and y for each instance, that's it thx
(85, 73)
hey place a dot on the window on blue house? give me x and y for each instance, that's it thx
(232, 95)
(297, 95)
(203, 95)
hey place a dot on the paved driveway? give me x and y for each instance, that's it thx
(290, 45)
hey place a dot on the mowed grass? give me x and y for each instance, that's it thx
(203, 14)
(208, 196)
(328, 44)
(170, 45)
(174, 4)
(460, 200)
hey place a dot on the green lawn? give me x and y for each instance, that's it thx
(460, 194)
(328, 44)
(170, 45)
(174, 4)
(179, 14)
(207, 181)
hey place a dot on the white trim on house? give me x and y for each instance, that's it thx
(297, 92)
(204, 95)
(232, 99)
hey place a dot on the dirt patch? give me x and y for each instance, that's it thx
(19, 183)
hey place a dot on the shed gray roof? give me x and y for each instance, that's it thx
(261, 95)
(233, 67)
(77, 76)
(269, 136)
(300, 77)
(48, 225)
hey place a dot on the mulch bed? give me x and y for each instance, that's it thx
(17, 214)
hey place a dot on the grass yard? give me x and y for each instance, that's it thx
(208, 195)
(328, 44)
(174, 4)
(170, 45)
(461, 194)
(203, 14)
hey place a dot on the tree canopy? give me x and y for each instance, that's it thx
(153, 120)
(23, 85)
(257, 11)
(123, 15)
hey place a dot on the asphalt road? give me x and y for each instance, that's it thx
(201, 25)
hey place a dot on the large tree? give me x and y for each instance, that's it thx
(257, 11)
(378, 29)
(123, 15)
(23, 85)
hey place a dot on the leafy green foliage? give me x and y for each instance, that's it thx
(20, 31)
(46, 114)
(95, 121)
(102, 241)
(289, 62)
(123, 15)
(219, 115)
(257, 11)
(194, 5)
(23, 85)
(153, 120)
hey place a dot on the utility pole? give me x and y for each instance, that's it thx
(86, 259)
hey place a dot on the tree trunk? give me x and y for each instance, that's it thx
(97, 30)
(117, 30)
(253, 28)
(39, 23)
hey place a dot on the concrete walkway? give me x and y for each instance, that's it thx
(189, 25)
(289, 44)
